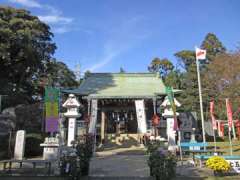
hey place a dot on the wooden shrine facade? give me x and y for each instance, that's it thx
(110, 101)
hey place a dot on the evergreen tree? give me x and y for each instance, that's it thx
(190, 95)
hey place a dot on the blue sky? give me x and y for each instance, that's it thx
(104, 35)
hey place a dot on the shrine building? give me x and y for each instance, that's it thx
(120, 104)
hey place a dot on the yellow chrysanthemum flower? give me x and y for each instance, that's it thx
(217, 163)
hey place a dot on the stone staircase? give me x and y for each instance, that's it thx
(118, 178)
(121, 144)
(122, 139)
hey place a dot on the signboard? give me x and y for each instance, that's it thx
(51, 109)
(235, 165)
(141, 116)
(93, 117)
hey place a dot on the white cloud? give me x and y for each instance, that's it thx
(105, 60)
(27, 3)
(53, 16)
(61, 29)
(55, 19)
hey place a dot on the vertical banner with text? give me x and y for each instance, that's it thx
(51, 109)
(141, 116)
(93, 116)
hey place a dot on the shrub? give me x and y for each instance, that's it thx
(161, 162)
(153, 146)
(218, 164)
(76, 160)
(84, 151)
(162, 166)
(4, 147)
(69, 166)
(32, 145)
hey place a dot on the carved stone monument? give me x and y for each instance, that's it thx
(50, 150)
(19, 145)
(72, 114)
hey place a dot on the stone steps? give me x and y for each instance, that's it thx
(117, 178)
(122, 139)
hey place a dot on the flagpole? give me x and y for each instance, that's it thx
(201, 106)
(214, 125)
(214, 139)
(230, 142)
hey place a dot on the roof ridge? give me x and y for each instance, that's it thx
(125, 74)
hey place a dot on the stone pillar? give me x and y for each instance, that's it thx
(103, 119)
(19, 145)
(71, 130)
(171, 133)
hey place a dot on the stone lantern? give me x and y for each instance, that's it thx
(72, 114)
(169, 115)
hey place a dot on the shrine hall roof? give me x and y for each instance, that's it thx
(121, 85)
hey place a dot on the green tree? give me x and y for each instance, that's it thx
(190, 95)
(26, 47)
(174, 79)
(162, 66)
(213, 46)
(59, 75)
(222, 81)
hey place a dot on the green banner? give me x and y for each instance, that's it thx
(51, 94)
(51, 109)
(170, 95)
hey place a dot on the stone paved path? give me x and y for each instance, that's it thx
(119, 166)
(127, 167)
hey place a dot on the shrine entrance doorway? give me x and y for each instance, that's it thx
(121, 121)
(118, 123)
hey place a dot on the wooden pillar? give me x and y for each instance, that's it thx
(154, 105)
(103, 116)
(155, 112)
(89, 106)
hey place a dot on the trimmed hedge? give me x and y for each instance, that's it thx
(32, 145)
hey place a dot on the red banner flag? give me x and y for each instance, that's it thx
(214, 123)
(229, 114)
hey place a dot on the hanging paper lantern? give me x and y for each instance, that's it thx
(221, 129)
(155, 120)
